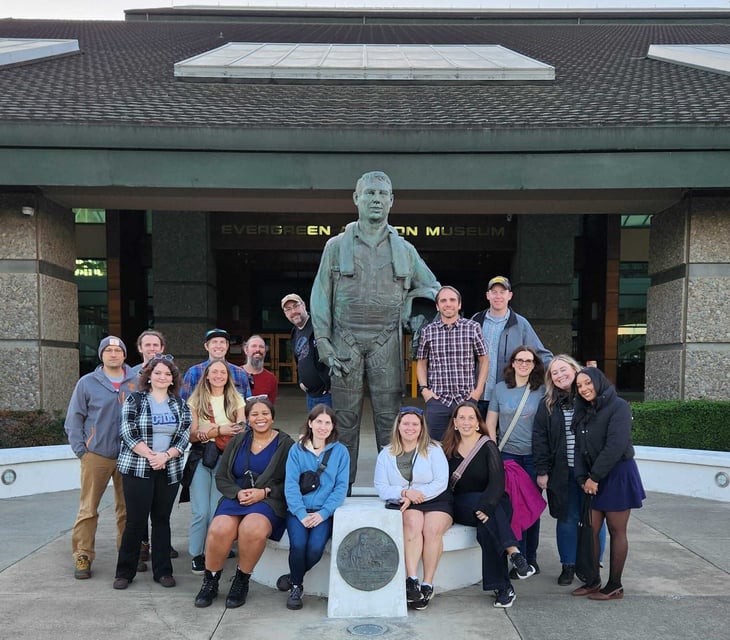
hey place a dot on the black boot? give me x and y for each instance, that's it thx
(566, 576)
(239, 590)
(209, 591)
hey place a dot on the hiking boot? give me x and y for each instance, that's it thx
(144, 551)
(427, 593)
(198, 565)
(284, 582)
(522, 568)
(83, 568)
(566, 575)
(239, 590)
(209, 591)
(505, 598)
(294, 601)
(413, 591)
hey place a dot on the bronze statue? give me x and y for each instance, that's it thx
(361, 301)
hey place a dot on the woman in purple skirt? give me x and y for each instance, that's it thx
(605, 469)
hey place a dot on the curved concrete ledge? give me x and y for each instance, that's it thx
(685, 472)
(460, 565)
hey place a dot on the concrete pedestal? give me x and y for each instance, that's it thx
(367, 569)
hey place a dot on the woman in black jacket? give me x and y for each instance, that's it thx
(605, 469)
(553, 447)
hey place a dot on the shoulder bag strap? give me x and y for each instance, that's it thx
(459, 471)
(325, 460)
(515, 417)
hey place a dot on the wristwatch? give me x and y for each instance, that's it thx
(421, 387)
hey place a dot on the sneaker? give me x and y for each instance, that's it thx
(284, 582)
(522, 568)
(566, 575)
(239, 590)
(83, 568)
(209, 591)
(505, 598)
(535, 566)
(427, 593)
(294, 601)
(198, 565)
(413, 591)
(144, 551)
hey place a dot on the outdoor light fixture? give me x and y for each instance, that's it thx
(27, 211)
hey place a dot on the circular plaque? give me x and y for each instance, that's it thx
(367, 559)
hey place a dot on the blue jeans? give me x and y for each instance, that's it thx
(204, 497)
(566, 531)
(437, 418)
(306, 546)
(313, 401)
(530, 537)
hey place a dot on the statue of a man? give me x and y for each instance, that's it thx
(361, 301)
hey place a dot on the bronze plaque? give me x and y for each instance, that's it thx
(367, 559)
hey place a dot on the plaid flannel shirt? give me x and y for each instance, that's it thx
(451, 351)
(136, 428)
(195, 373)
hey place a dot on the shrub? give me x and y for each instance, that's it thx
(696, 424)
(31, 429)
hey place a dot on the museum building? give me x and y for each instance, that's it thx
(184, 168)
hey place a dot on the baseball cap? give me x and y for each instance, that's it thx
(500, 280)
(112, 341)
(217, 333)
(291, 297)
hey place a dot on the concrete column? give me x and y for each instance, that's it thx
(688, 303)
(542, 277)
(39, 328)
(184, 282)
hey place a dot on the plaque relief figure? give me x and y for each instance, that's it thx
(361, 301)
(367, 559)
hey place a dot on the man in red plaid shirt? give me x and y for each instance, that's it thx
(448, 350)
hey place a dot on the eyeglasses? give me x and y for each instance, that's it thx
(417, 410)
(251, 399)
(163, 356)
(291, 307)
(522, 361)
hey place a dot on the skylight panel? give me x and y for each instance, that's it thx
(708, 57)
(19, 50)
(309, 62)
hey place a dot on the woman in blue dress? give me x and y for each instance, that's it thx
(253, 509)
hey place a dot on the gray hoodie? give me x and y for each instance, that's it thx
(95, 412)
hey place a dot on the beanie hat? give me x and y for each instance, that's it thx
(114, 342)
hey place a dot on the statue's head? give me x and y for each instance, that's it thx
(373, 197)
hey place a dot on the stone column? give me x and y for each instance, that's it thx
(688, 303)
(542, 277)
(39, 329)
(184, 282)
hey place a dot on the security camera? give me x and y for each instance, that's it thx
(27, 211)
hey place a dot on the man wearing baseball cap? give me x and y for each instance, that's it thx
(92, 425)
(216, 343)
(504, 331)
(313, 375)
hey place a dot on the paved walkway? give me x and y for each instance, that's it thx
(677, 584)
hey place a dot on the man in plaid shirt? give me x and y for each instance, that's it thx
(448, 349)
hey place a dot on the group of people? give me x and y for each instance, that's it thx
(504, 420)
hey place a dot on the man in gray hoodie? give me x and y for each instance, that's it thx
(92, 425)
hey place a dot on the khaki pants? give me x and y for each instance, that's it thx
(96, 471)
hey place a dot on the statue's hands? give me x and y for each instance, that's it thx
(327, 356)
(416, 322)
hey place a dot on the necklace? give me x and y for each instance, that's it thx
(261, 445)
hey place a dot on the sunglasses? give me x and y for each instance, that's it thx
(163, 356)
(251, 399)
(417, 410)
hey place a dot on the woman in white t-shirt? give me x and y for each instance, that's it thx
(217, 415)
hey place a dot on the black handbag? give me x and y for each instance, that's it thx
(211, 453)
(309, 480)
(585, 567)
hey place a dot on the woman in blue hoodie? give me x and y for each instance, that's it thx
(310, 514)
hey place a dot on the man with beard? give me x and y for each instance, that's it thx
(261, 381)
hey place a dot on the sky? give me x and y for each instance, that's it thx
(114, 9)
